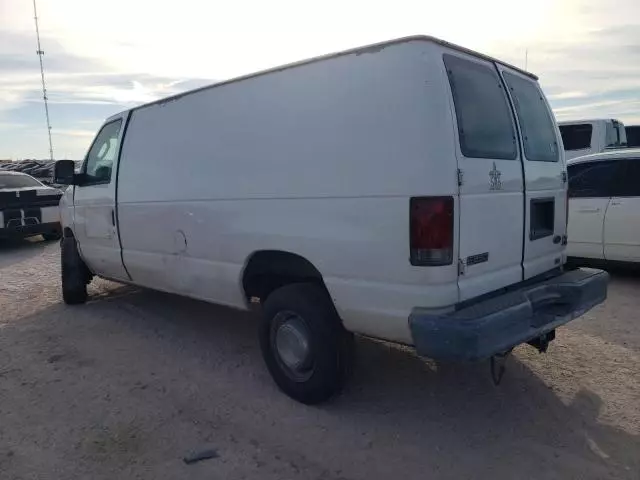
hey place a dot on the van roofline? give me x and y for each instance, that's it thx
(373, 48)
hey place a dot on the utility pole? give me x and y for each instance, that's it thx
(44, 87)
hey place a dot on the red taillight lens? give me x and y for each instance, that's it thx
(431, 230)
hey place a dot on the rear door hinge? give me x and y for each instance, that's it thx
(460, 177)
(564, 176)
(461, 267)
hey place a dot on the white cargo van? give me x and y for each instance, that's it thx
(586, 137)
(412, 191)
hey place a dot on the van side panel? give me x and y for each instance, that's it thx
(318, 160)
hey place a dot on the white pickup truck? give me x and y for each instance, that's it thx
(28, 207)
(412, 191)
(586, 137)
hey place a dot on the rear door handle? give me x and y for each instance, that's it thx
(616, 202)
(589, 210)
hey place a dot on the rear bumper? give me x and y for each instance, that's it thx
(29, 230)
(500, 323)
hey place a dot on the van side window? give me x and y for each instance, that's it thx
(576, 137)
(485, 124)
(593, 179)
(538, 131)
(101, 155)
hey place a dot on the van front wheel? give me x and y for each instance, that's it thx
(74, 273)
(307, 350)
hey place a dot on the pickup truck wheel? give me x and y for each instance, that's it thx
(307, 350)
(74, 273)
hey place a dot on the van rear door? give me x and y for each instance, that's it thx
(490, 177)
(545, 226)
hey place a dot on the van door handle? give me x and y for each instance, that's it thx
(589, 210)
(616, 202)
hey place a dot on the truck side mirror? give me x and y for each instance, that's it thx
(64, 172)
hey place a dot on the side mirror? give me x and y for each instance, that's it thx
(64, 172)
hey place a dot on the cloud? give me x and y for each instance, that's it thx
(73, 79)
(77, 133)
(596, 73)
(98, 62)
(567, 95)
(81, 92)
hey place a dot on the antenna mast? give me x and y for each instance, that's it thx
(44, 87)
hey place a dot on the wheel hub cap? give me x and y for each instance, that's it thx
(292, 344)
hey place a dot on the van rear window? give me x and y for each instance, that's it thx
(576, 137)
(485, 126)
(538, 130)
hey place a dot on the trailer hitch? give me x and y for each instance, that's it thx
(498, 364)
(542, 342)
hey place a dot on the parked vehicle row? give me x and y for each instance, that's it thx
(413, 191)
(28, 207)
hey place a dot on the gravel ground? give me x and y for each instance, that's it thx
(130, 383)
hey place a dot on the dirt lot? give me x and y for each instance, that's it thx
(127, 385)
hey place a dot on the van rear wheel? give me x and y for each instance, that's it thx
(74, 273)
(307, 350)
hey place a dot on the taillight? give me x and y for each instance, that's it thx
(431, 230)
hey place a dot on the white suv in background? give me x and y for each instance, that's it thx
(604, 206)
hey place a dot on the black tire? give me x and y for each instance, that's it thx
(331, 346)
(74, 273)
(52, 236)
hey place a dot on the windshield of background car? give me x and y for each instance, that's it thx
(18, 181)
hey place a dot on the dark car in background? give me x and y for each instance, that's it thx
(28, 207)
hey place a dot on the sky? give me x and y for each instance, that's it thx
(104, 57)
